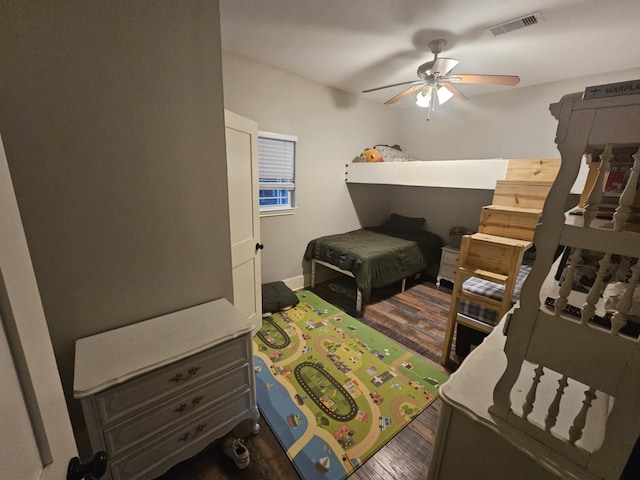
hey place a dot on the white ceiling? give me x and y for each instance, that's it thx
(355, 45)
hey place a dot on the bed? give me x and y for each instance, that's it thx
(553, 392)
(377, 256)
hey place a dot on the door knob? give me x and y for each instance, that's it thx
(259, 246)
(92, 470)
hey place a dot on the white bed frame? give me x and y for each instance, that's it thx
(344, 272)
(549, 396)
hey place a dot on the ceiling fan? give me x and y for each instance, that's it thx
(435, 86)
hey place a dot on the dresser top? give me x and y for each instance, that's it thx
(111, 357)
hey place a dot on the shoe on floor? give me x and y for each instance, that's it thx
(234, 448)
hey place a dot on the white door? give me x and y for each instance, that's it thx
(241, 136)
(36, 437)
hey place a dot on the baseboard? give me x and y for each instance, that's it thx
(295, 283)
(302, 281)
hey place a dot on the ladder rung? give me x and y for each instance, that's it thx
(484, 274)
(505, 208)
(512, 242)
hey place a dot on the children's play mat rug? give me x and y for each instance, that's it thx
(334, 390)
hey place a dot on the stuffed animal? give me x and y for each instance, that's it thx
(371, 155)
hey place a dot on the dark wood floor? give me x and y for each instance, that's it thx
(417, 319)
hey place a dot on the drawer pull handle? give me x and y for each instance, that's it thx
(194, 402)
(198, 430)
(180, 377)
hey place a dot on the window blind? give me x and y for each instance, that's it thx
(276, 163)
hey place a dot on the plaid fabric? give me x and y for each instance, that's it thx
(490, 290)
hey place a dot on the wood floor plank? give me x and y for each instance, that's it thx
(400, 460)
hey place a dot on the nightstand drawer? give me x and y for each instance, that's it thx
(448, 271)
(144, 392)
(210, 396)
(448, 264)
(450, 258)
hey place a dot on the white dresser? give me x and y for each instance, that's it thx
(448, 264)
(157, 392)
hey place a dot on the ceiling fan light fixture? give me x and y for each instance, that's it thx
(423, 99)
(444, 94)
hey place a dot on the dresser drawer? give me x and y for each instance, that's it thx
(152, 459)
(146, 391)
(207, 397)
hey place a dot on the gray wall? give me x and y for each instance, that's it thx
(514, 123)
(112, 122)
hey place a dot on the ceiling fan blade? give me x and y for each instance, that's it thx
(484, 79)
(404, 93)
(456, 93)
(393, 85)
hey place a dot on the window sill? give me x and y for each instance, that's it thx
(277, 213)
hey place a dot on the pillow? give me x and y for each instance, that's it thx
(276, 296)
(403, 224)
(393, 154)
(586, 271)
(613, 294)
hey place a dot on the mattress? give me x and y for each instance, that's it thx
(490, 290)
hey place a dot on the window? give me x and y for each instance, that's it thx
(276, 171)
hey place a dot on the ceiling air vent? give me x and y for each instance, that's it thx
(516, 23)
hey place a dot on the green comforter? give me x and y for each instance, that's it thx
(376, 256)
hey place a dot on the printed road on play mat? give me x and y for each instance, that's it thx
(334, 390)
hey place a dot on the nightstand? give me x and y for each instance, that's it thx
(448, 264)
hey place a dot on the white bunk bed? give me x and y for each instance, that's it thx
(549, 395)
(474, 174)
(480, 174)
